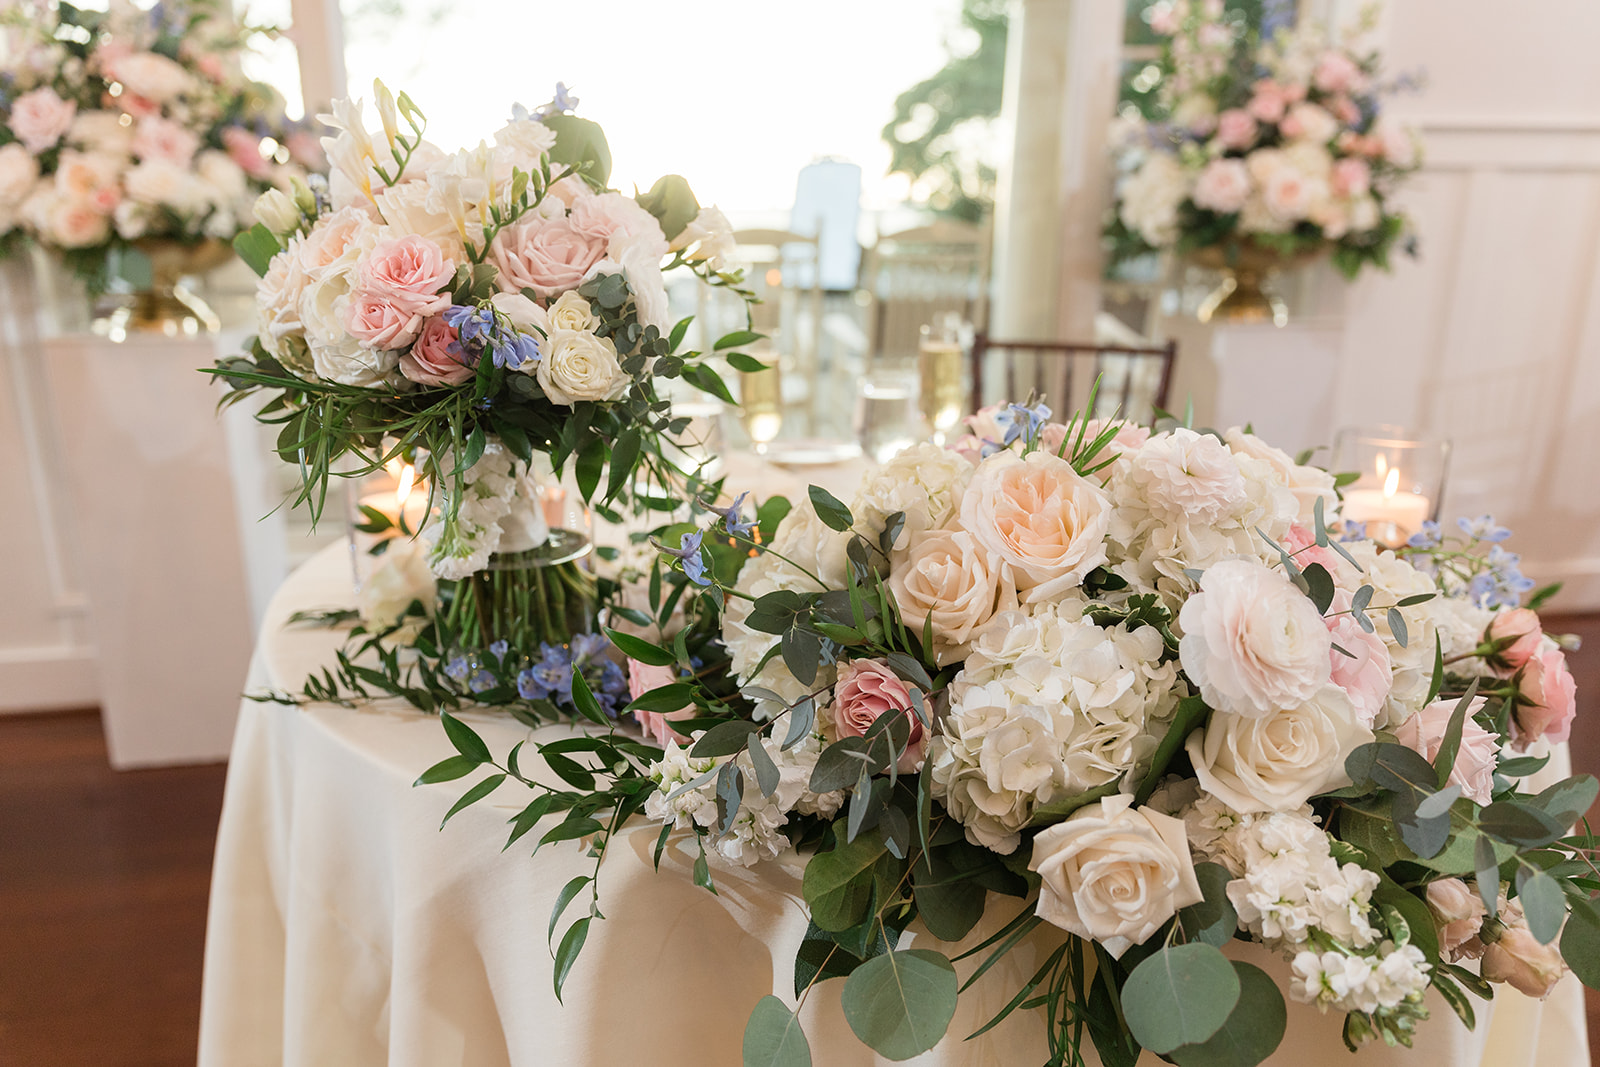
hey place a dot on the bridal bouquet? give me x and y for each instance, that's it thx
(493, 316)
(1271, 143)
(1147, 683)
(126, 125)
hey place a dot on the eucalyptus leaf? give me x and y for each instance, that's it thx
(830, 510)
(1251, 1033)
(1178, 996)
(766, 771)
(1543, 903)
(900, 1004)
(773, 1038)
(837, 884)
(1580, 943)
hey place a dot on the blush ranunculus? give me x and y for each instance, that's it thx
(1336, 73)
(642, 678)
(1268, 101)
(1424, 732)
(1521, 624)
(1366, 675)
(378, 323)
(1223, 186)
(868, 689)
(1039, 515)
(41, 118)
(1351, 177)
(430, 361)
(1114, 873)
(1253, 643)
(548, 256)
(408, 273)
(1236, 128)
(1547, 700)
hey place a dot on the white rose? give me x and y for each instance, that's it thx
(402, 577)
(156, 183)
(1277, 762)
(576, 365)
(524, 314)
(1040, 516)
(527, 140)
(960, 585)
(1312, 124)
(1114, 873)
(132, 219)
(19, 172)
(1252, 642)
(641, 266)
(76, 224)
(572, 312)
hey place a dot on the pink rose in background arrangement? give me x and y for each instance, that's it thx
(1351, 177)
(1459, 912)
(1223, 186)
(1424, 732)
(1236, 128)
(1268, 101)
(868, 689)
(1547, 700)
(408, 272)
(1164, 19)
(162, 139)
(244, 148)
(135, 105)
(548, 256)
(642, 678)
(76, 224)
(210, 65)
(1336, 73)
(1344, 109)
(378, 323)
(306, 150)
(1522, 624)
(41, 118)
(430, 361)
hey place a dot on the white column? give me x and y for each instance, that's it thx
(317, 30)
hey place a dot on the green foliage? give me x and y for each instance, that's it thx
(900, 1004)
(773, 1038)
(1180, 996)
(1252, 1030)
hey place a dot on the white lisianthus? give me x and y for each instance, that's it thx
(1252, 642)
(1277, 762)
(576, 365)
(1114, 873)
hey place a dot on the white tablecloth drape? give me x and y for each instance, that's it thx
(346, 929)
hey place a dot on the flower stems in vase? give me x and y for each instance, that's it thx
(524, 606)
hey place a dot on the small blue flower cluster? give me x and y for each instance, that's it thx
(1500, 581)
(551, 677)
(477, 328)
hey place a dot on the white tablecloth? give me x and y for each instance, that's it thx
(346, 929)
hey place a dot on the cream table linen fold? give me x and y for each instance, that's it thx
(347, 930)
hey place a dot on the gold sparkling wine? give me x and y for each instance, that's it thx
(942, 393)
(761, 405)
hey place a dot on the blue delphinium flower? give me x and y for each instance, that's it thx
(514, 350)
(1354, 531)
(550, 678)
(499, 649)
(1483, 528)
(731, 518)
(610, 687)
(1428, 537)
(1017, 420)
(688, 552)
(480, 681)
(458, 668)
(562, 101)
(472, 325)
(586, 647)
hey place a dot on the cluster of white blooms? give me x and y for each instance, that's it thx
(498, 512)
(1047, 706)
(1395, 976)
(756, 830)
(924, 483)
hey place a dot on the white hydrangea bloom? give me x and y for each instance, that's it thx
(924, 481)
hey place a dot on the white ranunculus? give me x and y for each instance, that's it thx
(1189, 476)
(1252, 642)
(1308, 484)
(576, 365)
(1114, 873)
(1277, 762)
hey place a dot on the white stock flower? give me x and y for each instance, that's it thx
(1252, 642)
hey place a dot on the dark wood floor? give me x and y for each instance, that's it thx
(103, 879)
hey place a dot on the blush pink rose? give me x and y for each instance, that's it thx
(430, 361)
(132, 103)
(210, 65)
(1130, 437)
(1352, 177)
(41, 118)
(1547, 700)
(306, 150)
(162, 139)
(1459, 912)
(1344, 109)
(1521, 624)
(1518, 959)
(868, 689)
(244, 148)
(378, 323)
(548, 256)
(1336, 73)
(642, 678)
(617, 219)
(408, 273)
(1424, 732)
(1223, 186)
(1268, 101)
(1236, 128)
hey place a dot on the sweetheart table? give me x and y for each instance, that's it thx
(346, 928)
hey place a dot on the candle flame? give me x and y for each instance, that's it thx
(1391, 483)
(1381, 465)
(408, 478)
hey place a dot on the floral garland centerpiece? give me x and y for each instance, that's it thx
(137, 129)
(1144, 682)
(497, 317)
(1268, 147)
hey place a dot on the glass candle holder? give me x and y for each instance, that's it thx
(1400, 479)
(388, 505)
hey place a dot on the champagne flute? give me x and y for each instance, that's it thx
(761, 404)
(940, 368)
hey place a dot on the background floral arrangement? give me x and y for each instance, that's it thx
(1142, 681)
(1271, 138)
(495, 316)
(125, 124)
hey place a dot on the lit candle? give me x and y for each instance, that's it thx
(405, 507)
(1391, 516)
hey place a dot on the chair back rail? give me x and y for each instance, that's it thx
(1137, 365)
